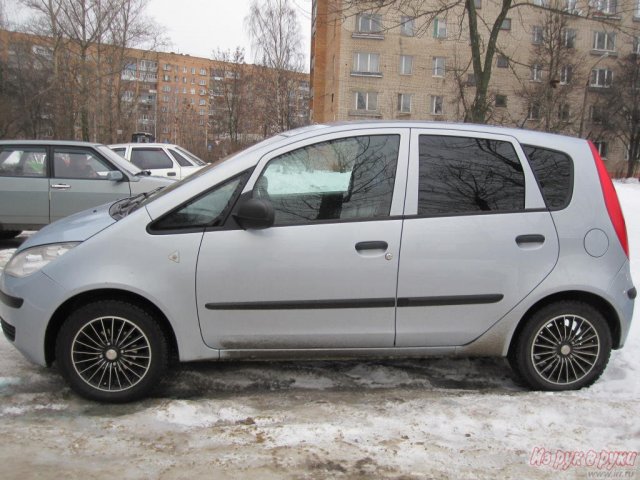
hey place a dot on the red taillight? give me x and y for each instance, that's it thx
(611, 200)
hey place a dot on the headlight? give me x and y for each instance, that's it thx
(34, 259)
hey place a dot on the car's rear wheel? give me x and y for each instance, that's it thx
(111, 351)
(564, 346)
(8, 234)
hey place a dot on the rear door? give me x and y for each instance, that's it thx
(79, 181)
(24, 186)
(476, 239)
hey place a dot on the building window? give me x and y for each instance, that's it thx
(602, 148)
(596, 114)
(369, 23)
(601, 77)
(440, 28)
(541, 3)
(203, 71)
(192, 91)
(406, 65)
(636, 45)
(202, 102)
(501, 101)
(637, 13)
(404, 103)
(365, 63)
(166, 88)
(438, 66)
(607, 7)
(502, 62)
(570, 6)
(604, 41)
(166, 67)
(478, 4)
(471, 79)
(407, 26)
(563, 111)
(366, 101)
(566, 74)
(506, 24)
(536, 72)
(537, 35)
(534, 111)
(184, 69)
(437, 102)
(569, 38)
(165, 98)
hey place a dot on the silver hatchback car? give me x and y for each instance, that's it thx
(358, 239)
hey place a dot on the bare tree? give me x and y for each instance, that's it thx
(275, 35)
(553, 79)
(622, 108)
(230, 84)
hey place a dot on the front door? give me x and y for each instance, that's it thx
(324, 276)
(79, 181)
(477, 238)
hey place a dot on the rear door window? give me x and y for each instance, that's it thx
(554, 173)
(465, 175)
(23, 162)
(150, 157)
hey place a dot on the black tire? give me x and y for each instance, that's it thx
(563, 346)
(9, 234)
(111, 351)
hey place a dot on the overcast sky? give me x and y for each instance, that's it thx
(198, 27)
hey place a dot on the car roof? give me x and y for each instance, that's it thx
(142, 144)
(66, 143)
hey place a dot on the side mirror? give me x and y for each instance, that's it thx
(255, 213)
(115, 176)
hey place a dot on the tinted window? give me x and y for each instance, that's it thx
(23, 162)
(468, 175)
(79, 163)
(340, 179)
(554, 173)
(148, 158)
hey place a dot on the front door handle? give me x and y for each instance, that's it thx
(61, 186)
(372, 245)
(528, 239)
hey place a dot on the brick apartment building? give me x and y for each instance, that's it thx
(382, 64)
(175, 97)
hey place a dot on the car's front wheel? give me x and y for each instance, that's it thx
(564, 346)
(111, 351)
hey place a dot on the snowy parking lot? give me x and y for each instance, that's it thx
(411, 419)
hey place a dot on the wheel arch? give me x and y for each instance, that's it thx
(603, 306)
(63, 311)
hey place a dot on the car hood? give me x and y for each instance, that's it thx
(75, 228)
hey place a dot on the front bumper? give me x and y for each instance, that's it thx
(26, 306)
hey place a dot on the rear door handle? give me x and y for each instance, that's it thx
(171, 174)
(372, 245)
(528, 239)
(61, 186)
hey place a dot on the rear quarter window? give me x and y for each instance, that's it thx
(554, 173)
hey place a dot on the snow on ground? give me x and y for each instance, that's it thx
(410, 419)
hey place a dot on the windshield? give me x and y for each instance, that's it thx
(123, 164)
(190, 155)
